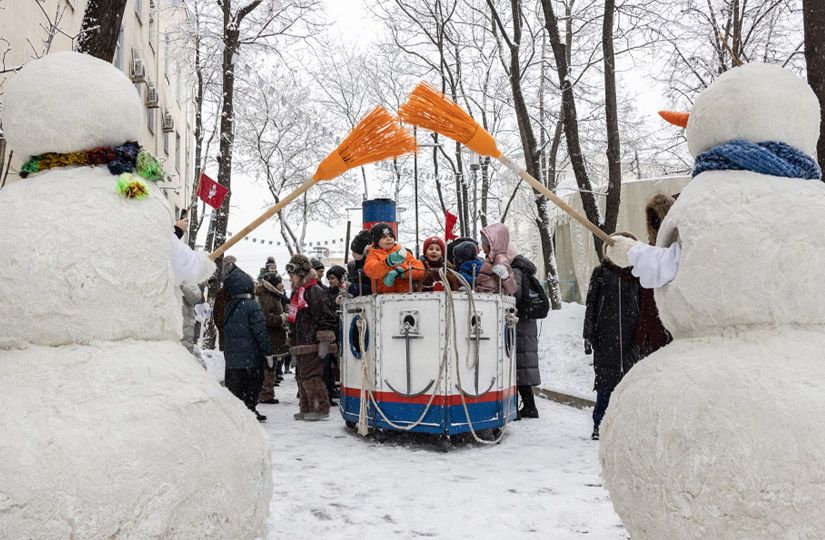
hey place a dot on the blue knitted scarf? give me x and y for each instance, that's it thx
(771, 157)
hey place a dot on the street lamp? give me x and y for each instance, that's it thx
(415, 175)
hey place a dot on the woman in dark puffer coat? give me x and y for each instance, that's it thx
(246, 343)
(269, 297)
(527, 343)
(610, 319)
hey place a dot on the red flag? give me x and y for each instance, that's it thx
(211, 192)
(450, 220)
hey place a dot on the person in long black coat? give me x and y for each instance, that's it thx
(360, 284)
(527, 343)
(247, 342)
(610, 320)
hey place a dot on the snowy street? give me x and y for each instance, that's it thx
(542, 481)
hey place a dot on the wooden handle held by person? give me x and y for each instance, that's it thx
(555, 199)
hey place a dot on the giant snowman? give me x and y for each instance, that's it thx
(721, 434)
(109, 428)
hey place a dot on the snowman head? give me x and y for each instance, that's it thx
(69, 102)
(757, 103)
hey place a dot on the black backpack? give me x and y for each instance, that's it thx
(534, 301)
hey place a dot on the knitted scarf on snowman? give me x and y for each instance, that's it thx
(771, 158)
(121, 160)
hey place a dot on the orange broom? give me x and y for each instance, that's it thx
(378, 136)
(430, 109)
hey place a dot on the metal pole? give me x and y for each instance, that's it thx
(475, 203)
(346, 242)
(415, 175)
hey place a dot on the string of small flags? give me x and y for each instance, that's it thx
(278, 243)
(408, 171)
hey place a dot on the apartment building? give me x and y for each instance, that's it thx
(161, 75)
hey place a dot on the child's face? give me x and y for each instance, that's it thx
(433, 252)
(387, 242)
(333, 281)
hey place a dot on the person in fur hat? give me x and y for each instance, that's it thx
(312, 331)
(610, 318)
(388, 264)
(434, 260)
(269, 297)
(360, 284)
(651, 334)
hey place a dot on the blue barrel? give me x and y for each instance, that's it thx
(377, 211)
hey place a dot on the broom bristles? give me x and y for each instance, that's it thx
(377, 137)
(430, 109)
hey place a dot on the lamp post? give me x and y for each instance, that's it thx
(415, 183)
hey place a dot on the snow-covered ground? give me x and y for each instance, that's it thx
(541, 481)
(564, 366)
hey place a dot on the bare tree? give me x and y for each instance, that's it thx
(814, 12)
(516, 73)
(100, 28)
(275, 19)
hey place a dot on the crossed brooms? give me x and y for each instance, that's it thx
(380, 136)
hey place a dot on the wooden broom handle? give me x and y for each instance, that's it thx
(260, 219)
(538, 186)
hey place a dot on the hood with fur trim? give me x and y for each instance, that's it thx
(655, 211)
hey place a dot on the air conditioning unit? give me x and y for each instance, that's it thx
(152, 98)
(138, 71)
(168, 122)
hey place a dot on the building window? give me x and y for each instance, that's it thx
(119, 50)
(177, 152)
(139, 10)
(150, 120)
(166, 143)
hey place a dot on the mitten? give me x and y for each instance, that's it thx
(501, 271)
(397, 257)
(389, 279)
(617, 253)
(270, 361)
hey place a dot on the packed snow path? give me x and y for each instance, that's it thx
(542, 481)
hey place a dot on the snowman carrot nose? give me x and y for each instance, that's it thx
(676, 118)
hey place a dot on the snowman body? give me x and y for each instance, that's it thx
(716, 435)
(110, 428)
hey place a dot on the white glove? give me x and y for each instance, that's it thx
(284, 319)
(501, 271)
(270, 361)
(323, 349)
(617, 253)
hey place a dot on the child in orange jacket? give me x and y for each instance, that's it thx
(388, 264)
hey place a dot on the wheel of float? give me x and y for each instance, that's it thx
(354, 341)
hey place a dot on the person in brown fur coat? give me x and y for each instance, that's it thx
(312, 338)
(651, 334)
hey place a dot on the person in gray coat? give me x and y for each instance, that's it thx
(527, 344)
(192, 296)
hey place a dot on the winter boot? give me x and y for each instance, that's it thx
(298, 416)
(315, 416)
(528, 401)
(595, 434)
(259, 416)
